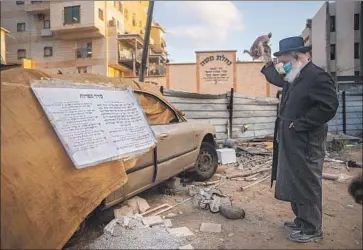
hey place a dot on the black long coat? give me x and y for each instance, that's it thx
(309, 102)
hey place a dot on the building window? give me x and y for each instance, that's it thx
(21, 54)
(120, 7)
(72, 14)
(33, 2)
(356, 50)
(115, 4)
(82, 70)
(100, 14)
(20, 27)
(356, 73)
(48, 51)
(46, 24)
(19, 2)
(84, 50)
(126, 14)
(134, 19)
(332, 52)
(332, 23)
(356, 21)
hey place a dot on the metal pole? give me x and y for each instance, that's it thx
(344, 113)
(146, 41)
(231, 112)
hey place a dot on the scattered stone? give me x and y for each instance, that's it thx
(180, 212)
(123, 211)
(138, 204)
(152, 220)
(230, 235)
(179, 200)
(190, 238)
(186, 247)
(350, 206)
(168, 223)
(180, 232)
(231, 212)
(210, 228)
(110, 227)
(170, 215)
(221, 239)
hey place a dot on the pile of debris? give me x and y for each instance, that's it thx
(138, 232)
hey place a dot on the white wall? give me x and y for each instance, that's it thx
(345, 38)
(319, 42)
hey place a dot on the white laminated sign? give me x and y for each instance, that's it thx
(96, 124)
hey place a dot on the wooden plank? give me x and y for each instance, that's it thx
(254, 107)
(210, 121)
(240, 121)
(252, 134)
(258, 113)
(168, 92)
(254, 126)
(248, 101)
(201, 107)
(206, 114)
(221, 128)
(177, 100)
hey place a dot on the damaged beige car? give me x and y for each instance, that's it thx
(182, 146)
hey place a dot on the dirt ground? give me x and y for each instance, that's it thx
(262, 226)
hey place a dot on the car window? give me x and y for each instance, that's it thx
(157, 112)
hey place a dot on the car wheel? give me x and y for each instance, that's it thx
(207, 162)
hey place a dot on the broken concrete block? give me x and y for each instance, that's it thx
(152, 220)
(123, 211)
(180, 232)
(138, 204)
(231, 212)
(110, 227)
(186, 247)
(168, 223)
(170, 215)
(210, 228)
(226, 155)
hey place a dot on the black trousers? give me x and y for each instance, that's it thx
(308, 217)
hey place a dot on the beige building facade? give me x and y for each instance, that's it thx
(100, 37)
(336, 38)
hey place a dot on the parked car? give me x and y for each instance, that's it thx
(181, 146)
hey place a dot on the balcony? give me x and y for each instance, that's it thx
(46, 32)
(37, 6)
(83, 53)
(157, 70)
(130, 51)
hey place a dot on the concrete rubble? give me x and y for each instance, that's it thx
(210, 228)
(138, 232)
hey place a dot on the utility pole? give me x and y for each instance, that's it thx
(145, 50)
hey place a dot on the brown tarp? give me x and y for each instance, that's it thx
(44, 198)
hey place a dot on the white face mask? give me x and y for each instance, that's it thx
(295, 71)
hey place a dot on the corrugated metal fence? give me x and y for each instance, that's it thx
(258, 113)
(349, 117)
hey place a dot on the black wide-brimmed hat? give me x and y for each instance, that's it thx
(292, 44)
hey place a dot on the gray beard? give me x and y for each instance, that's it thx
(291, 76)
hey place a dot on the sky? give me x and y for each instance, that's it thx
(228, 25)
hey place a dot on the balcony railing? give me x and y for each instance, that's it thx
(127, 55)
(157, 70)
(83, 53)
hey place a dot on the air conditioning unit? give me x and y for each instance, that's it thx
(40, 16)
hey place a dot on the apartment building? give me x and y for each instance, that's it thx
(100, 37)
(336, 37)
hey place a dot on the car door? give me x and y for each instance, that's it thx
(176, 142)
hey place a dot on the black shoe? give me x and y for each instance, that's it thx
(291, 225)
(305, 238)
